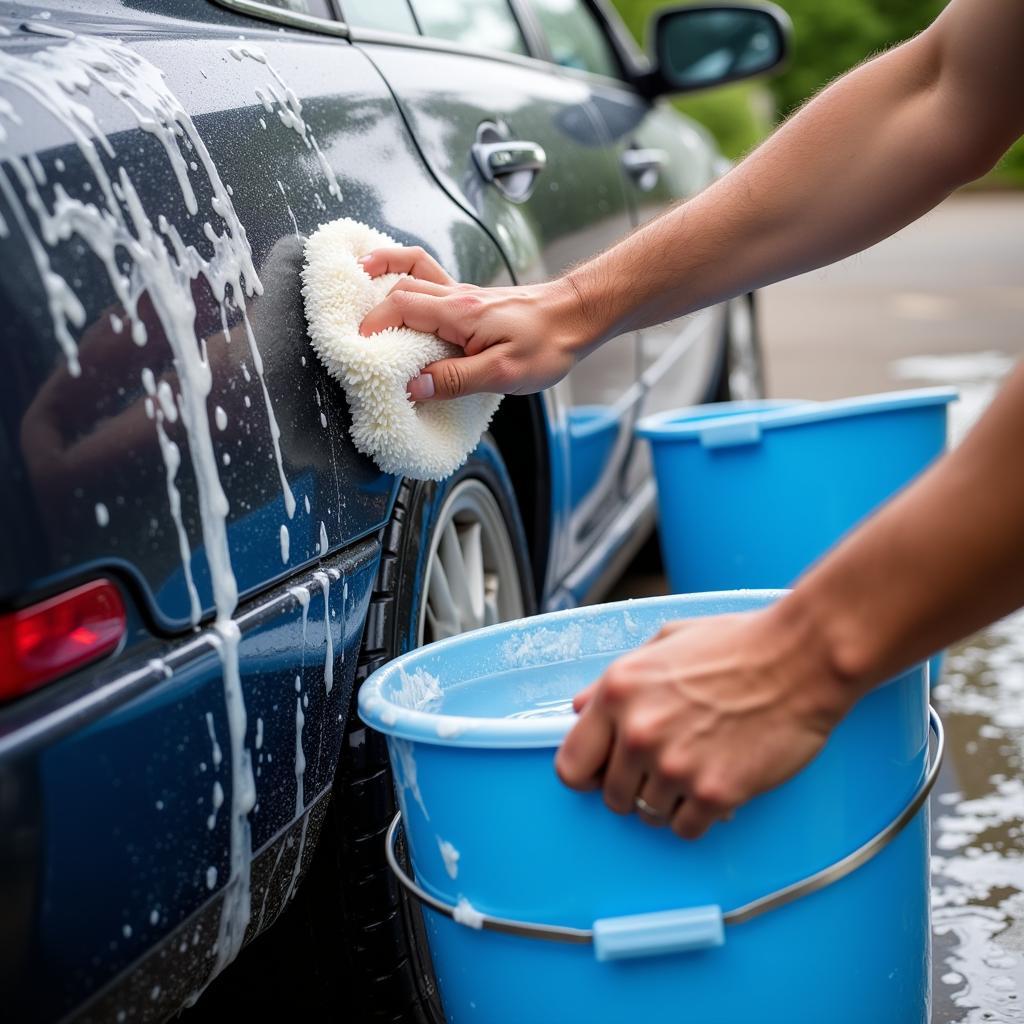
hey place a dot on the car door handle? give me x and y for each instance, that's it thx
(512, 166)
(644, 166)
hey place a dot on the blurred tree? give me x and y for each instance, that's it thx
(829, 37)
(1010, 171)
(636, 14)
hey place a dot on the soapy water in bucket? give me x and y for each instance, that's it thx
(522, 693)
(546, 709)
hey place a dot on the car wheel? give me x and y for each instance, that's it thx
(741, 374)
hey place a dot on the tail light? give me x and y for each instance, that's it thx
(54, 637)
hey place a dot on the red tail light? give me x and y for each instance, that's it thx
(54, 637)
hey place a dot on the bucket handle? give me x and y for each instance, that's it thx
(674, 931)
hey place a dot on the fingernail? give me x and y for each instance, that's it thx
(421, 387)
(365, 259)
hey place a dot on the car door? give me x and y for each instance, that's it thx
(663, 158)
(473, 98)
(666, 158)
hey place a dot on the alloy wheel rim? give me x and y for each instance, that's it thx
(472, 576)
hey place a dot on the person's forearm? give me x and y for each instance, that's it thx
(867, 156)
(711, 712)
(872, 152)
(941, 560)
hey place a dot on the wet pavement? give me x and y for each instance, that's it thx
(977, 839)
(941, 302)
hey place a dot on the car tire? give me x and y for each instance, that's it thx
(350, 947)
(741, 375)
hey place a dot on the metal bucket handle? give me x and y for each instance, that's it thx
(675, 931)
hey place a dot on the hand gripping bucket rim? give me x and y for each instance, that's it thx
(400, 719)
(623, 936)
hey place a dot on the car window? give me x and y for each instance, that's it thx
(575, 37)
(481, 24)
(387, 15)
(318, 8)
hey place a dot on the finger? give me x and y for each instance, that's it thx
(671, 628)
(660, 795)
(421, 388)
(622, 779)
(405, 259)
(584, 697)
(694, 817)
(479, 342)
(410, 284)
(463, 375)
(432, 314)
(584, 751)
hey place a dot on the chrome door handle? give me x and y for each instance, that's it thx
(498, 159)
(644, 166)
(511, 166)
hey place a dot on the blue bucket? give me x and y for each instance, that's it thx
(751, 493)
(542, 906)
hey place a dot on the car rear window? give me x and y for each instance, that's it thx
(575, 37)
(386, 15)
(480, 24)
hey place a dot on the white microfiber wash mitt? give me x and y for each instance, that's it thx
(425, 440)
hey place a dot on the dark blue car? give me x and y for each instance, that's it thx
(198, 568)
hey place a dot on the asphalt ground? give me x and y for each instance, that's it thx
(940, 302)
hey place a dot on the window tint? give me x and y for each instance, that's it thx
(318, 8)
(481, 24)
(575, 37)
(387, 15)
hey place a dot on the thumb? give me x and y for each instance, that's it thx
(459, 376)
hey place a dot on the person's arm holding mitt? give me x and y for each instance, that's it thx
(712, 712)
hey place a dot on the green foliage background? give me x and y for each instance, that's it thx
(829, 37)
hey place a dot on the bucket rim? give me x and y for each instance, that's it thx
(687, 423)
(425, 726)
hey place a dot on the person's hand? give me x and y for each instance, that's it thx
(516, 340)
(703, 717)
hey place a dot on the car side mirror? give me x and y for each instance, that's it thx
(700, 47)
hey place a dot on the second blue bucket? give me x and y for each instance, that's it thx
(750, 494)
